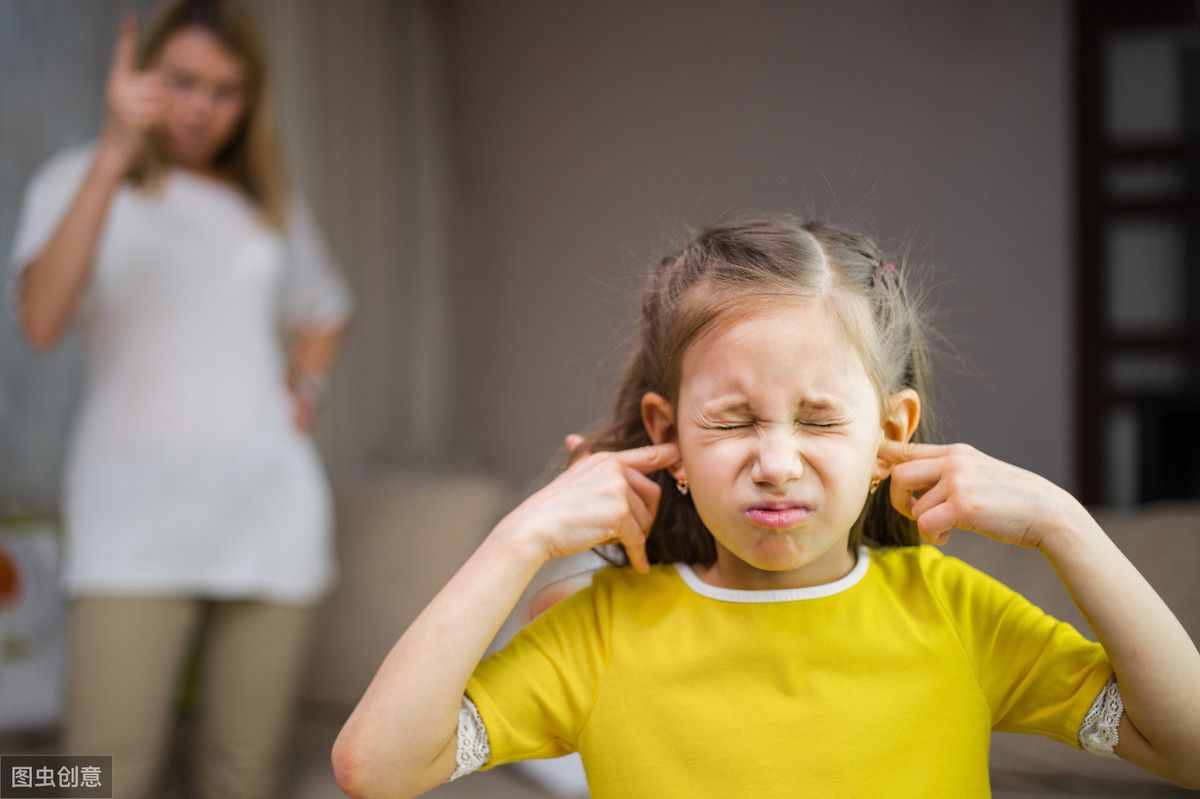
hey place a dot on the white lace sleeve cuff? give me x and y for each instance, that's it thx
(1098, 733)
(473, 749)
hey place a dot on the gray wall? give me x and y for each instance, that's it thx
(496, 177)
(588, 136)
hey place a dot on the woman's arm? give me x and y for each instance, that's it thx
(400, 740)
(53, 281)
(1156, 663)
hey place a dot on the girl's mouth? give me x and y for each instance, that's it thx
(778, 518)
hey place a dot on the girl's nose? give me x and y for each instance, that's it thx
(778, 460)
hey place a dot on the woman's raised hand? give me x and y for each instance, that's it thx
(600, 498)
(135, 100)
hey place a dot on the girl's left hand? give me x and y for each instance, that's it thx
(964, 488)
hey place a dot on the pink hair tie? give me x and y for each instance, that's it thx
(890, 266)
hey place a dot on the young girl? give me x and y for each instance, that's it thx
(783, 631)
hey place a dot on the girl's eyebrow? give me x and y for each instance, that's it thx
(740, 405)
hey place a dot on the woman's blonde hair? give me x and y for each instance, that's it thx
(253, 157)
(727, 272)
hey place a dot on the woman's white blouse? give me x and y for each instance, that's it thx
(1097, 733)
(185, 472)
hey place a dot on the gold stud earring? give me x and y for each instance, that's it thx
(682, 484)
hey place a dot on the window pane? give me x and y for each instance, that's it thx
(1121, 469)
(1147, 372)
(1143, 84)
(1143, 181)
(1145, 275)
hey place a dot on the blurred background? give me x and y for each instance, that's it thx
(494, 179)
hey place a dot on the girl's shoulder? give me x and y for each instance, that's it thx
(927, 564)
(954, 581)
(610, 584)
(919, 556)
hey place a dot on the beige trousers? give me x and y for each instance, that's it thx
(126, 661)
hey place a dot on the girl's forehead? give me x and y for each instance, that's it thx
(797, 349)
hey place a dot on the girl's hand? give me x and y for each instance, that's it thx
(135, 100)
(967, 489)
(601, 497)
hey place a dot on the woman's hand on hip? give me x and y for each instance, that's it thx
(304, 411)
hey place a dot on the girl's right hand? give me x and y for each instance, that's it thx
(135, 100)
(600, 498)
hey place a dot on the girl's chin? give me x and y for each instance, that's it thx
(774, 551)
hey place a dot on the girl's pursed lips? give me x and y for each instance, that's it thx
(780, 505)
(778, 518)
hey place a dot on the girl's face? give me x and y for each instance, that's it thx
(204, 84)
(776, 410)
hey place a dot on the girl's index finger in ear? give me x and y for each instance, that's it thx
(650, 458)
(899, 451)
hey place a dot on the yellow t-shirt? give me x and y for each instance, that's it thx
(887, 682)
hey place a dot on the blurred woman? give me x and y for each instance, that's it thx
(194, 501)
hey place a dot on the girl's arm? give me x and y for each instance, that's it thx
(1156, 663)
(52, 283)
(400, 741)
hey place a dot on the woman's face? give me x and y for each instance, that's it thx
(204, 85)
(777, 410)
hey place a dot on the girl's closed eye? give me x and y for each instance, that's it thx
(741, 425)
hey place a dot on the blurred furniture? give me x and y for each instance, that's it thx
(33, 616)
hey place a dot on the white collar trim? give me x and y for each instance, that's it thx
(776, 595)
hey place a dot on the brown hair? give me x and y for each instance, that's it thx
(253, 157)
(726, 272)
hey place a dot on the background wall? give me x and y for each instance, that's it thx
(494, 179)
(588, 136)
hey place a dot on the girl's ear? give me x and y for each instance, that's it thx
(658, 417)
(904, 411)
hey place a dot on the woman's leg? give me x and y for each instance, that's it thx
(254, 658)
(125, 656)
